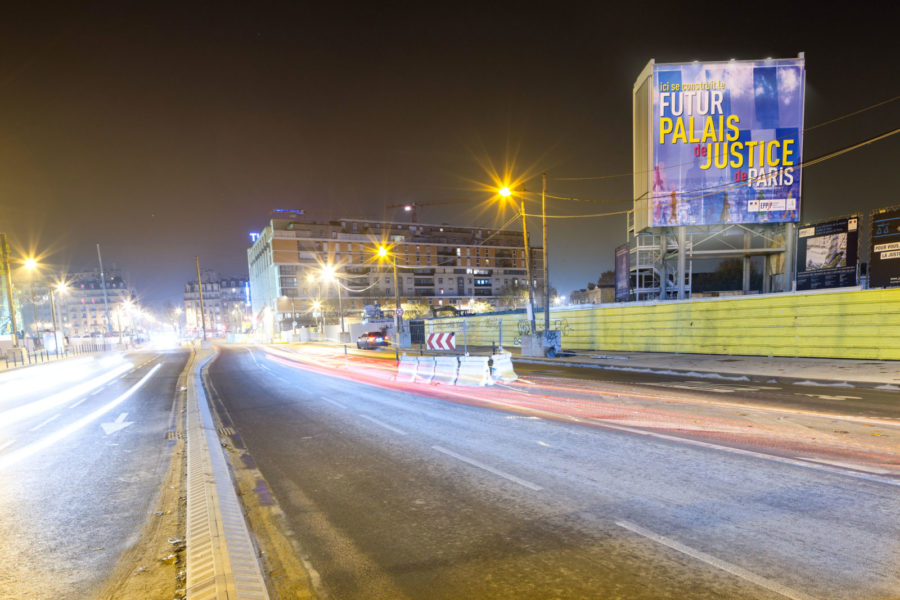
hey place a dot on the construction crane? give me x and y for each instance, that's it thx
(410, 207)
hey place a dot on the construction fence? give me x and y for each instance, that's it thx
(827, 323)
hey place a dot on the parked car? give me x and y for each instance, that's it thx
(371, 340)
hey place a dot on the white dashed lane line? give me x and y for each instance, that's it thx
(50, 420)
(338, 404)
(481, 465)
(385, 425)
(762, 582)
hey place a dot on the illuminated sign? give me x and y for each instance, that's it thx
(884, 261)
(254, 235)
(827, 254)
(727, 141)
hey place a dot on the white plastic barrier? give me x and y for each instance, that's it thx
(503, 367)
(474, 370)
(425, 370)
(446, 369)
(406, 368)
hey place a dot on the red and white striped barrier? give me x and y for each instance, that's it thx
(441, 341)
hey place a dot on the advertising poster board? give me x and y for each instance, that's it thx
(726, 142)
(884, 261)
(827, 254)
(623, 274)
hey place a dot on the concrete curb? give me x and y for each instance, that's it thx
(723, 375)
(221, 559)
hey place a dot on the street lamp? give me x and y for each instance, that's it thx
(31, 266)
(384, 254)
(505, 192)
(329, 273)
(60, 288)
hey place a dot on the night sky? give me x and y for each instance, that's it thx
(165, 133)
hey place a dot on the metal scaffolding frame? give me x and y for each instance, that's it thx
(661, 259)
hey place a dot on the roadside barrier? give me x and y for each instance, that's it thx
(425, 370)
(503, 367)
(474, 370)
(446, 369)
(406, 368)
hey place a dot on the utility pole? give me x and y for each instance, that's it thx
(103, 286)
(528, 266)
(546, 263)
(4, 251)
(200, 288)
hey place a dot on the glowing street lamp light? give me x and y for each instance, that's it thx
(384, 254)
(31, 265)
(61, 289)
(329, 273)
(505, 192)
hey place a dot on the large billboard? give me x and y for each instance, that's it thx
(726, 142)
(827, 254)
(884, 261)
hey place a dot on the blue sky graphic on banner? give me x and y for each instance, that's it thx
(727, 142)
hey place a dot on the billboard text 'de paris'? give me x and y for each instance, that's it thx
(726, 142)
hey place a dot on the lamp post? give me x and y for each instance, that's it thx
(310, 279)
(546, 263)
(61, 288)
(505, 192)
(383, 254)
(329, 273)
(31, 265)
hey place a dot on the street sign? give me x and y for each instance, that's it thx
(441, 341)
(399, 312)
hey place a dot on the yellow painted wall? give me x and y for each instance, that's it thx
(836, 324)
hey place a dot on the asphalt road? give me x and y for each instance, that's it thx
(396, 494)
(797, 393)
(83, 452)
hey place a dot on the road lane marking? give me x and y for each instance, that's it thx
(741, 451)
(20, 413)
(762, 582)
(338, 404)
(50, 420)
(848, 465)
(481, 465)
(60, 434)
(385, 425)
(82, 400)
(7, 444)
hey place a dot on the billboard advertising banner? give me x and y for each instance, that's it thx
(726, 142)
(827, 254)
(884, 262)
(623, 274)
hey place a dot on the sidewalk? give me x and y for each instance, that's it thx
(869, 373)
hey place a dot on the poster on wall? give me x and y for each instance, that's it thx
(827, 254)
(623, 274)
(727, 142)
(884, 261)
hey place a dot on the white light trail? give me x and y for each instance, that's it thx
(23, 453)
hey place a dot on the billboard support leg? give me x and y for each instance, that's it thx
(790, 241)
(682, 250)
(663, 276)
(746, 283)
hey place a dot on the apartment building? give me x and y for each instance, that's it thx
(436, 264)
(82, 308)
(226, 303)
